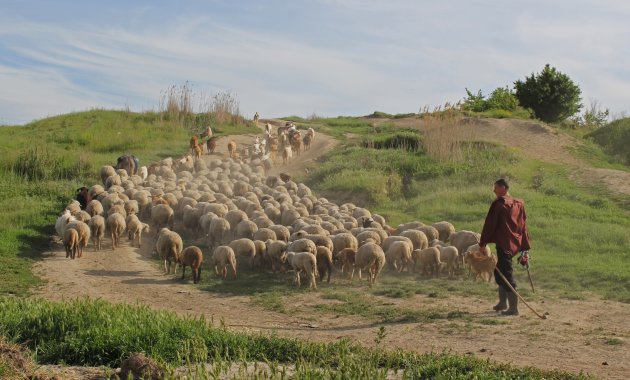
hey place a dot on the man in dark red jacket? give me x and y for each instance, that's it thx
(506, 227)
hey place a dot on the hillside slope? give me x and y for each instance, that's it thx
(573, 331)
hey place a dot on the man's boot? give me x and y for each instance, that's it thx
(513, 302)
(502, 305)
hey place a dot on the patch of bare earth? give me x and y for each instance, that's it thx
(591, 336)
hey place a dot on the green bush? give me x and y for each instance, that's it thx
(400, 140)
(614, 138)
(552, 95)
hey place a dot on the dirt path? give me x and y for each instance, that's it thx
(591, 336)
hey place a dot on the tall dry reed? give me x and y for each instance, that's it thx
(444, 133)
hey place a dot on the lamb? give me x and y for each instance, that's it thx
(346, 258)
(370, 256)
(232, 148)
(221, 257)
(84, 234)
(399, 255)
(169, 246)
(135, 228)
(71, 242)
(97, 228)
(324, 262)
(429, 258)
(303, 262)
(450, 256)
(480, 263)
(244, 248)
(192, 257)
(116, 225)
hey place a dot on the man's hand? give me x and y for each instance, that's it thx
(523, 259)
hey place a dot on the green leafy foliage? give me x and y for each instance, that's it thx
(552, 95)
(614, 138)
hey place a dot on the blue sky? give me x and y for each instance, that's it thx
(323, 57)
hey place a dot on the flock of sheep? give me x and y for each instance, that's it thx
(237, 213)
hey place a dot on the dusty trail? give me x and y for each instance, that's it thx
(576, 337)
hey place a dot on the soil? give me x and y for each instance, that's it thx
(579, 335)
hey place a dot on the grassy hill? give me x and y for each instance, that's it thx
(614, 138)
(579, 235)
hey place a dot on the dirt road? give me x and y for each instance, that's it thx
(591, 336)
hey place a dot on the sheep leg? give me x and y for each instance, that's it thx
(184, 271)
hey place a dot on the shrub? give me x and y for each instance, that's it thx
(551, 94)
(614, 138)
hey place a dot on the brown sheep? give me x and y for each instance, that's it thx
(192, 257)
(71, 242)
(231, 148)
(324, 262)
(481, 264)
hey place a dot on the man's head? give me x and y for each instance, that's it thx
(501, 187)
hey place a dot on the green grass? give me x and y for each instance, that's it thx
(94, 332)
(579, 233)
(614, 139)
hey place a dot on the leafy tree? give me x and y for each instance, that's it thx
(502, 98)
(550, 94)
(475, 102)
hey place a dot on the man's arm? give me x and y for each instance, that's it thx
(490, 225)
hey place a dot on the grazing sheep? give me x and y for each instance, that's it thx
(132, 207)
(450, 256)
(303, 262)
(276, 253)
(418, 238)
(430, 231)
(429, 258)
(169, 246)
(245, 229)
(265, 234)
(71, 242)
(116, 225)
(302, 245)
(244, 248)
(106, 172)
(370, 257)
(369, 234)
(464, 239)
(219, 232)
(445, 230)
(162, 216)
(392, 239)
(343, 240)
(324, 262)
(221, 257)
(261, 249)
(97, 228)
(192, 257)
(399, 255)
(345, 259)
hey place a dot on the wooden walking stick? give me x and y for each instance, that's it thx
(529, 275)
(519, 296)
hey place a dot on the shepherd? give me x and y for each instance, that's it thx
(505, 226)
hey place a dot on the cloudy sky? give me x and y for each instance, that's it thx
(323, 57)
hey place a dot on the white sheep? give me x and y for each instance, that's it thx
(450, 256)
(445, 230)
(62, 221)
(221, 257)
(276, 253)
(303, 262)
(94, 208)
(429, 258)
(399, 255)
(135, 228)
(244, 248)
(162, 216)
(97, 228)
(370, 257)
(116, 225)
(169, 246)
(84, 234)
